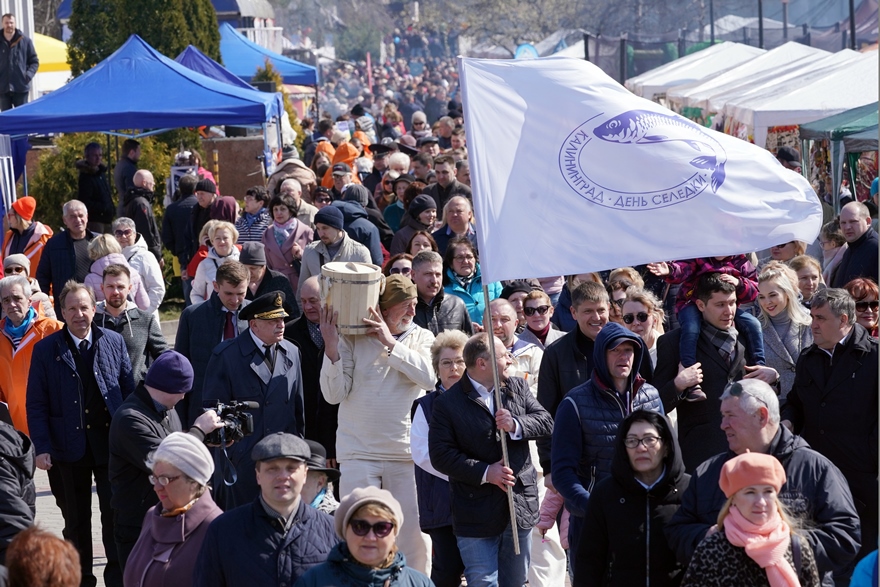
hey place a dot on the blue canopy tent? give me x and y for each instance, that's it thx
(195, 60)
(139, 88)
(242, 57)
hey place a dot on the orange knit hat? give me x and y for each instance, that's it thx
(25, 207)
(751, 468)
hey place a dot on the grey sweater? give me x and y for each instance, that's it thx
(143, 336)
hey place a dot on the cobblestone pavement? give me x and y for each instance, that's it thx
(49, 518)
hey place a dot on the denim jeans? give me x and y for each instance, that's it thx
(690, 320)
(491, 562)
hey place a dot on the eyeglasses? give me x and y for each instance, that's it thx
(630, 318)
(125, 232)
(540, 310)
(862, 306)
(619, 303)
(464, 258)
(448, 363)
(20, 269)
(322, 199)
(380, 529)
(400, 270)
(647, 442)
(163, 480)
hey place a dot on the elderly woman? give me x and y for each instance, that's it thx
(463, 278)
(19, 264)
(623, 535)
(809, 277)
(754, 542)
(223, 238)
(785, 324)
(642, 313)
(286, 238)
(864, 292)
(174, 529)
(141, 260)
(367, 522)
(105, 251)
(833, 247)
(435, 513)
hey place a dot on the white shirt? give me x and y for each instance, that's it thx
(488, 398)
(76, 340)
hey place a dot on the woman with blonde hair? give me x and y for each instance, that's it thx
(643, 314)
(223, 236)
(104, 251)
(754, 542)
(809, 277)
(785, 324)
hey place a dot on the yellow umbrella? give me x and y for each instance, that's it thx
(52, 54)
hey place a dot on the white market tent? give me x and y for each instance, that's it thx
(775, 61)
(851, 86)
(574, 50)
(772, 84)
(695, 67)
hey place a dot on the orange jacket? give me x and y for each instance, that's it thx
(34, 249)
(325, 147)
(345, 153)
(15, 366)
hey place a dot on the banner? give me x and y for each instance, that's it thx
(572, 173)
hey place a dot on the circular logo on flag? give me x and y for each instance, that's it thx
(641, 160)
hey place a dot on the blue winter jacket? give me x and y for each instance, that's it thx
(473, 294)
(341, 570)
(592, 413)
(55, 393)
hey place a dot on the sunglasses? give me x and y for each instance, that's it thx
(630, 318)
(399, 270)
(15, 269)
(362, 528)
(322, 200)
(540, 310)
(619, 303)
(862, 306)
(123, 232)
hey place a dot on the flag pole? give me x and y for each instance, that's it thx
(505, 458)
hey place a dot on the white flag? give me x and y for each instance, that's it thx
(572, 173)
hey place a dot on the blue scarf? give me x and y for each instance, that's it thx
(249, 218)
(318, 498)
(17, 332)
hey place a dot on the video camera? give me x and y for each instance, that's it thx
(237, 422)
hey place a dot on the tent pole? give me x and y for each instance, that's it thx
(265, 150)
(505, 457)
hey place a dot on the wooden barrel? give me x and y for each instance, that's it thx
(352, 289)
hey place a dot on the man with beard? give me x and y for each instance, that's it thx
(375, 379)
(140, 330)
(138, 205)
(334, 244)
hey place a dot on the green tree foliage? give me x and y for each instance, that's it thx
(201, 23)
(353, 43)
(99, 27)
(93, 34)
(159, 22)
(270, 74)
(55, 180)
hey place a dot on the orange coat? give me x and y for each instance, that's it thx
(345, 153)
(15, 366)
(34, 248)
(325, 147)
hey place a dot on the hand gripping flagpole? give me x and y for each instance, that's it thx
(505, 458)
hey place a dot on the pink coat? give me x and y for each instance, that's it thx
(281, 258)
(553, 502)
(96, 277)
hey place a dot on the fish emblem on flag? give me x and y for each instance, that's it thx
(642, 160)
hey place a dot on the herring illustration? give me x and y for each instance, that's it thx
(644, 127)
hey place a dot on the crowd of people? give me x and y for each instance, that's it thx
(688, 422)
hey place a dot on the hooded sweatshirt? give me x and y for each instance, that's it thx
(592, 412)
(345, 153)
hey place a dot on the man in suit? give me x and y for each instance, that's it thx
(78, 379)
(305, 333)
(203, 326)
(257, 366)
(721, 359)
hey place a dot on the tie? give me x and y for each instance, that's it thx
(83, 347)
(229, 327)
(270, 356)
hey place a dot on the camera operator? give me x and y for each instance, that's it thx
(256, 366)
(138, 427)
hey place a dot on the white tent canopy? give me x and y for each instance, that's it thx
(852, 85)
(777, 60)
(774, 83)
(574, 50)
(706, 63)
